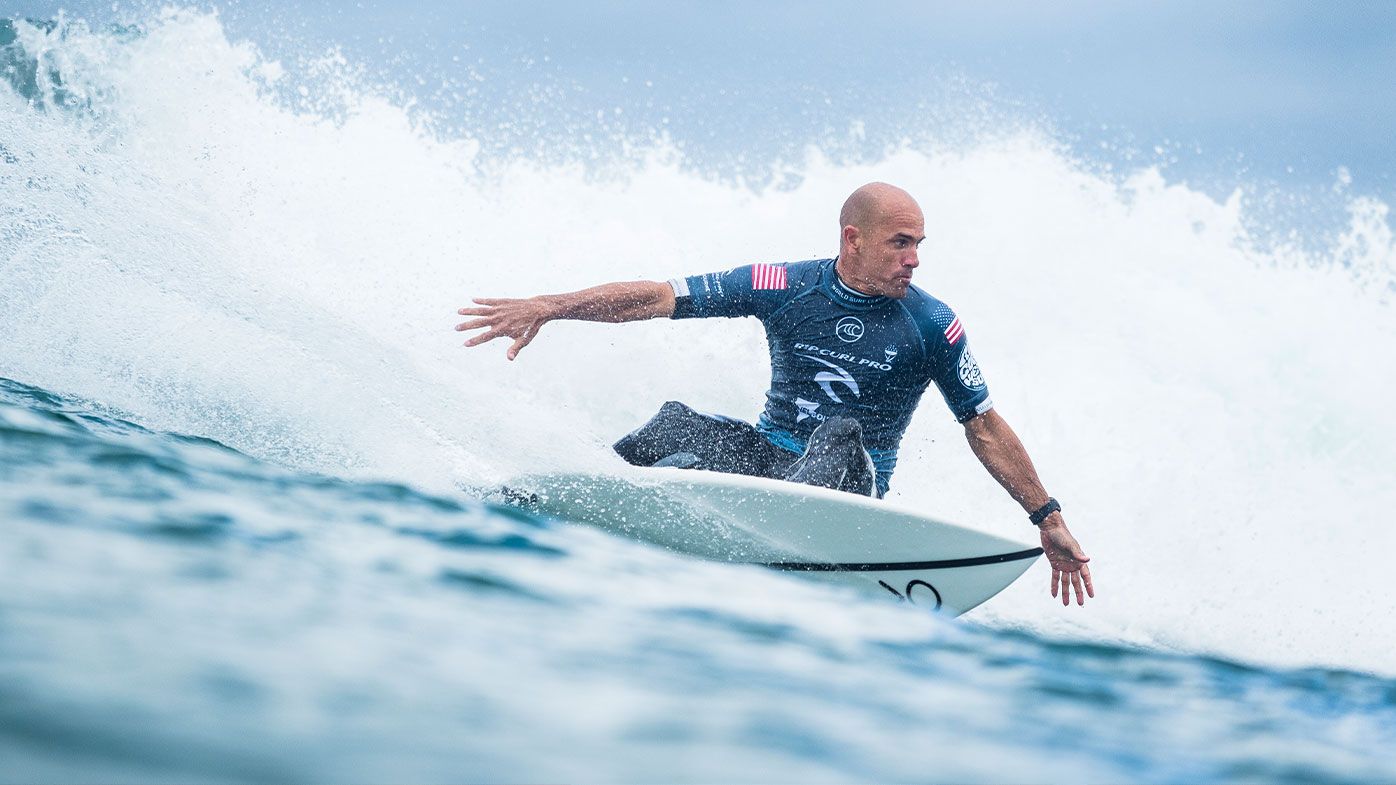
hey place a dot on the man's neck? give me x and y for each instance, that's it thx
(848, 281)
(849, 295)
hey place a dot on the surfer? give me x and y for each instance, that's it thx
(853, 346)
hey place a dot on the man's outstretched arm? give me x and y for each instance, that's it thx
(1001, 452)
(521, 319)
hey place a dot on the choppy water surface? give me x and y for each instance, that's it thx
(235, 426)
(173, 610)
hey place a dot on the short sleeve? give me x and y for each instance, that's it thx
(955, 371)
(751, 290)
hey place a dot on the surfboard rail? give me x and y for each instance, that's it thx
(819, 533)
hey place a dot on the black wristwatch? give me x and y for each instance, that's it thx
(1045, 510)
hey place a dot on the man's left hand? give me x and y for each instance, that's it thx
(1069, 568)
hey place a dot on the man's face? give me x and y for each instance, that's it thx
(885, 252)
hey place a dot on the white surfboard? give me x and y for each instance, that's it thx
(816, 532)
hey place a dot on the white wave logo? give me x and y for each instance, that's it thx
(969, 371)
(806, 409)
(827, 380)
(849, 329)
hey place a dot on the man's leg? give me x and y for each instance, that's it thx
(836, 458)
(680, 436)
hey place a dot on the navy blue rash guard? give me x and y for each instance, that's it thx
(837, 352)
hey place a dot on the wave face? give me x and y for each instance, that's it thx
(216, 245)
(176, 610)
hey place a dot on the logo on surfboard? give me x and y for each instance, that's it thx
(907, 596)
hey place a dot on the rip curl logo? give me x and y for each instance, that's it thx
(806, 409)
(856, 360)
(890, 352)
(969, 371)
(827, 380)
(849, 329)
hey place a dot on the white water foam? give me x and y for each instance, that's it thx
(189, 248)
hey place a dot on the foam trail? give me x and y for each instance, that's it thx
(182, 244)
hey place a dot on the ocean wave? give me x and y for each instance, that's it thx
(224, 245)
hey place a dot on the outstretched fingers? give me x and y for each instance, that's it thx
(488, 305)
(488, 335)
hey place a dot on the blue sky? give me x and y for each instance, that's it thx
(1281, 90)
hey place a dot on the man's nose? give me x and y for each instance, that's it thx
(911, 259)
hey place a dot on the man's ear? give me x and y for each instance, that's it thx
(852, 237)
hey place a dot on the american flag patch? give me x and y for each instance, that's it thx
(767, 276)
(954, 331)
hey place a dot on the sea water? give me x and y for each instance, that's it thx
(237, 436)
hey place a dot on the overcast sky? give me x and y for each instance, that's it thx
(1284, 86)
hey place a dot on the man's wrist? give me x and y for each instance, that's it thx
(555, 306)
(1041, 514)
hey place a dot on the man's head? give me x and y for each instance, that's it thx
(881, 226)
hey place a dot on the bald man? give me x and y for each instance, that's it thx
(853, 346)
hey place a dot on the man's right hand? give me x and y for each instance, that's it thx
(504, 317)
(626, 301)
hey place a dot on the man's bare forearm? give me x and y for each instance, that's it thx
(522, 319)
(613, 302)
(1003, 454)
(998, 448)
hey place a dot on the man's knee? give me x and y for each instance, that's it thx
(836, 458)
(674, 413)
(675, 427)
(837, 435)
(651, 441)
(839, 430)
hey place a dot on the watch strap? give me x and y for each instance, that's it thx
(1041, 513)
